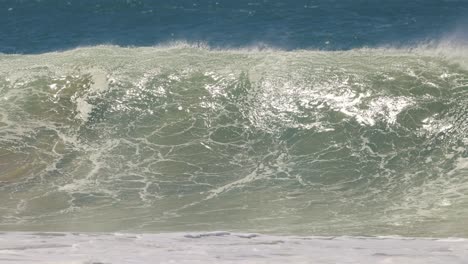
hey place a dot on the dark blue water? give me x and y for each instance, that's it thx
(49, 25)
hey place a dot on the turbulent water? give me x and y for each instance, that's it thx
(179, 137)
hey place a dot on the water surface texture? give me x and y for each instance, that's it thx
(303, 117)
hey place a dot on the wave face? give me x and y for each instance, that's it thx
(367, 142)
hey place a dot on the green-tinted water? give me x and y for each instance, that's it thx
(366, 142)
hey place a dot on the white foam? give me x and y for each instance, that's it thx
(225, 247)
(83, 108)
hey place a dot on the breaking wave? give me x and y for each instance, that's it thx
(178, 137)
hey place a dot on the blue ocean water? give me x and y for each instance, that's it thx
(318, 117)
(49, 25)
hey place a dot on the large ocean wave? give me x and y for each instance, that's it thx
(184, 137)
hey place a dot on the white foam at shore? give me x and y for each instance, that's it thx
(224, 247)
